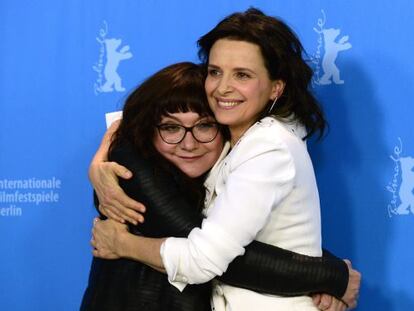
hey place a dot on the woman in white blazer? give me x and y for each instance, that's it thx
(265, 189)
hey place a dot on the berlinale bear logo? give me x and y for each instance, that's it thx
(331, 47)
(402, 184)
(108, 78)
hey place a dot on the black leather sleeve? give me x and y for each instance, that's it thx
(263, 267)
(168, 213)
(269, 269)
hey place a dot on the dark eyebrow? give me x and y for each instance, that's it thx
(212, 66)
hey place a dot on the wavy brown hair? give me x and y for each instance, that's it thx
(283, 54)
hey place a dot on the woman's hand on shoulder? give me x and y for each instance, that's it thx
(113, 202)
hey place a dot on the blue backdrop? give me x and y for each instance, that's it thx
(66, 64)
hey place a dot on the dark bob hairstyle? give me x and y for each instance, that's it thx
(176, 88)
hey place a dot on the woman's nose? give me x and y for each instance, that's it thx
(224, 85)
(189, 143)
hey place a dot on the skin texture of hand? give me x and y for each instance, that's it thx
(352, 291)
(114, 203)
(336, 305)
(111, 240)
(328, 303)
(106, 235)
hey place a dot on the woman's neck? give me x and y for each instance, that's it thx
(237, 132)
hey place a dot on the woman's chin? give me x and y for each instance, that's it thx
(192, 171)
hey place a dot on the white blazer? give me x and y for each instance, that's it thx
(264, 190)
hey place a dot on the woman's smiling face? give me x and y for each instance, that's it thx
(238, 86)
(190, 156)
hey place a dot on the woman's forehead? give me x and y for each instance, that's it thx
(188, 115)
(236, 55)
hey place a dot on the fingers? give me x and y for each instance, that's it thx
(104, 254)
(114, 202)
(114, 193)
(127, 202)
(121, 206)
(110, 214)
(316, 298)
(98, 248)
(133, 217)
(336, 305)
(121, 171)
(121, 214)
(325, 302)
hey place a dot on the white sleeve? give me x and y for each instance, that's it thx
(261, 175)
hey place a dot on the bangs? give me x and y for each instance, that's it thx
(187, 97)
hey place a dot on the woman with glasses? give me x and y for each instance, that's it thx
(169, 139)
(169, 168)
(174, 133)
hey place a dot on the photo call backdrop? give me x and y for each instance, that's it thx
(67, 65)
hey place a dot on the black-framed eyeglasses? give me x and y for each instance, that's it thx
(203, 132)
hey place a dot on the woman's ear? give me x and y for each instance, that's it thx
(277, 89)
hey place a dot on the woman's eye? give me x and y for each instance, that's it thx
(171, 128)
(213, 72)
(206, 126)
(242, 75)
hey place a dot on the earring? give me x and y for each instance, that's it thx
(273, 104)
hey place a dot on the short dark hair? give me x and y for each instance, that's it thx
(283, 57)
(176, 88)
